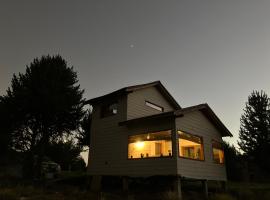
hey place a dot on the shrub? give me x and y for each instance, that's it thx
(222, 197)
(8, 194)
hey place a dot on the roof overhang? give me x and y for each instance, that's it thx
(133, 88)
(149, 118)
(204, 108)
(209, 113)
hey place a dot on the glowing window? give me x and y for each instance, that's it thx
(218, 152)
(190, 146)
(158, 144)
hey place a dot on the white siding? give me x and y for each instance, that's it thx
(136, 103)
(198, 124)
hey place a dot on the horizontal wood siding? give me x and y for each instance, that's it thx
(105, 135)
(109, 147)
(196, 123)
(136, 103)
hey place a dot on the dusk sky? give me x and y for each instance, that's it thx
(202, 51)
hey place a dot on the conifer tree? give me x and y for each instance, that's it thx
(254, 135)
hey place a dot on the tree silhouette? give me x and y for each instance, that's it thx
(254, 135)
(232, 160)
(44, 103)
(5, 137)
(84, 131)
(65, 153)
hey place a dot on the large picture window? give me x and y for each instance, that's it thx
(218, 152)
(157, 144)
(190, 146)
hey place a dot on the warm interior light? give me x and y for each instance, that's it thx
(157, 144)
(139, 145)
(190, 146)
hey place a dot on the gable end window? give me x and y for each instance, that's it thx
(218, 152)
(154, 106)
(109, 109)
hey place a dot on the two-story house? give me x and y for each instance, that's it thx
(142, 131)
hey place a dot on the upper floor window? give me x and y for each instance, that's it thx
(152, 105)
(190, 146)
(218, 152)
(109, 109)
(158, 144)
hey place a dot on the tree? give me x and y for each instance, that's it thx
(255, 124)
(233, 163)
(84, 131)
(5, 138)
(44, 104)
(65, 153)
(254, 135)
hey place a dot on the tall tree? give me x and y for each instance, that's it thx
(44, 103)
(85, 128)
(5, 137)
(254, 135)
(232, 160)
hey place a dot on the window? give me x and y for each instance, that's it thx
(158, 144)
(190, 146)
(156, 107)
(109, 109)
(218, 152)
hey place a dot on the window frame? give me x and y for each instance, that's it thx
(202, 145)
(149, 132)
(102, 107)
(154, 106)
(221, 148)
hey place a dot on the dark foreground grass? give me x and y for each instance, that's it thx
(235, 192)
(76, 187)
(37, 193)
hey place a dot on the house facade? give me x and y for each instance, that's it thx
(141, 131)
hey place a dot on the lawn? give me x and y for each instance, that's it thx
(75, 186)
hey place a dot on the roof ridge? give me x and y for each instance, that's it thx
(127, 89)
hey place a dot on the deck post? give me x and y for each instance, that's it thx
(224, 186)
(177, 187)
(205, 188)
(96, 183)
(95, 187)
(125, 184)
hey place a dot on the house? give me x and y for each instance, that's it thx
(141, 130)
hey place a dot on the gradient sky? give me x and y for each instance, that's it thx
(202, 51)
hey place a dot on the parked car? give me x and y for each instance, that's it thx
(50, 169)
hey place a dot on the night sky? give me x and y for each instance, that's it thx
(202, 51)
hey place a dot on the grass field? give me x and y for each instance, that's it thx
(75, 186)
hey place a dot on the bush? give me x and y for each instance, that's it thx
(8, 194)
(222, 197)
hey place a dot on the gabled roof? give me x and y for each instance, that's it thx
(209, 113)
(204, 108)
(133, 88)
